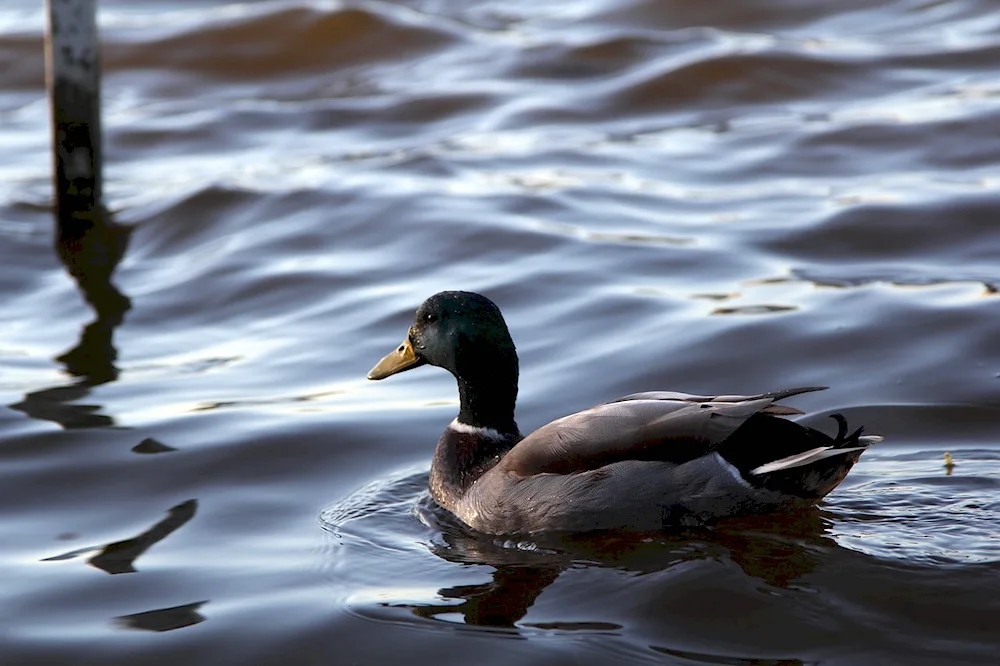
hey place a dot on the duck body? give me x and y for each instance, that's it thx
(639, 463)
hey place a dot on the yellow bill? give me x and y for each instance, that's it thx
(403, 358)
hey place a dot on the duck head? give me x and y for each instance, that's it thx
(459, 331)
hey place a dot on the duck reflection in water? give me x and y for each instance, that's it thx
(90, 251)
(776, 550)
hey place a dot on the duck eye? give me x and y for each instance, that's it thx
(430, 317)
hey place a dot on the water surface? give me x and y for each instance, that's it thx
(673, 195)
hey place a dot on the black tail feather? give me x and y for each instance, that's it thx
(843, 440)
(841, 428)
(814, 481)
(764, 438)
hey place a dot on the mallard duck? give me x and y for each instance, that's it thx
(639, 463)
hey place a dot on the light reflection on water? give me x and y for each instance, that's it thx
(659, 195)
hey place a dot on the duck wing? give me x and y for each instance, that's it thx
(660, 425)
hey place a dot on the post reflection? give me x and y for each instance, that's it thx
(164, 619)
(90, 251)
(119, 556)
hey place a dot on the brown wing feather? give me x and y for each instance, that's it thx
(671, 427)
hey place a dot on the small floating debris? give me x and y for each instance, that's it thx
(949, 463)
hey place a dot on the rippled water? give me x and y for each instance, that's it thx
(708, 197)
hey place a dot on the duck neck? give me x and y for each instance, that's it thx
(488, 404)
(463, 454)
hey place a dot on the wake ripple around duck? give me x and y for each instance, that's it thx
(903, 507)
(910, 507)
(900, 522)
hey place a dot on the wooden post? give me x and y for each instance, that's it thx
(89, 242)
(74, 82)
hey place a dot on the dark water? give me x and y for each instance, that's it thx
(708, 197)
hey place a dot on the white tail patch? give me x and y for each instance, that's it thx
(733, 472)
(804, 458)
(870, 439)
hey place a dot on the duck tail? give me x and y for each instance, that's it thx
(812, 474)
(843, 440)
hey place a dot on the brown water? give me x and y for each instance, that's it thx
(699, 196)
